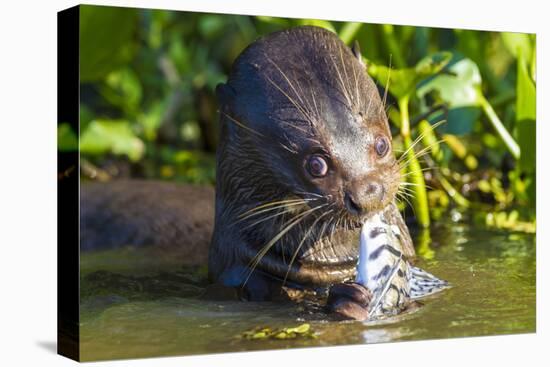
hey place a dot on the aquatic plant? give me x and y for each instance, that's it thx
(148, 106)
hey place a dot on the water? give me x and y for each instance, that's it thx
(135, 304)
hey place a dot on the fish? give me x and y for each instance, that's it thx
(383, 269)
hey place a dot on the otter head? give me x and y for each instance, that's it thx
(302, 103)
(303, 129)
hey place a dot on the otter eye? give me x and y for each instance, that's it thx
(382, 146)
(317, 166)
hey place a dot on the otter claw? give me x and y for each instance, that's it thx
(349, 301)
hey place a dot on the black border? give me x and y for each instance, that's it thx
(68, 244)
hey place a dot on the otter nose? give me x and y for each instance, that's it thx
(363, 197)
(351, 205)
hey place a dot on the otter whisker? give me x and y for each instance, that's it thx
(405, 159)
(306, 235)
(286, 78)
(407, 188)
(421, 136)
(322, 232)
(425, 169)
(407, 192)
(272, 206)
(346, 74)
(358, 100)
(288, 148)
(344, 89)
(401, 195)
(287, 209)
(282, 246)
(281, 203)
(368, 106)
(268, 218)
(309, 193)
(401, 184)
(306, 102)
(345, 221)
(314, 98)
(297, 219)
(303, 108)
(383, 105)
(289, 124)
(291, 100)
(240, 124)
(331, 229)
(426, 148)
(418, 154)
(335, 227)
(314, 101)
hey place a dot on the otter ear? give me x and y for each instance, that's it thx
(225, 94)
(356, 50)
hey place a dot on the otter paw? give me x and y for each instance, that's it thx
(349, 301)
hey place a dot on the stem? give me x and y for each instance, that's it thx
(423, 241)
(508, 140)
(453, 193)
(405, 120)
(394, 46)
(534, 63)
(414, 169)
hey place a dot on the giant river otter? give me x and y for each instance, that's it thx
(304, 159)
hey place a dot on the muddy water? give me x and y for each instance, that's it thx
(138, 305)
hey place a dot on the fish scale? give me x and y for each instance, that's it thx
(383, 269)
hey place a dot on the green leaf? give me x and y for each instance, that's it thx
(262, 333)
(432, 64)
(460, 120)
(111, 136)
(86, 115)
(403, 81)
(349, 31)
(304, 328)
(460, 87)
(150, 121)
(105, 39)
(123, 89)
(273, 20)
(526, 115)
(518, 43)
(211, 25)
(66, 138)
(399, 82)
(526, 97)
(318, 23)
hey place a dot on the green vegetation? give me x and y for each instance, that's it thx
(148, 107)
(260, 333)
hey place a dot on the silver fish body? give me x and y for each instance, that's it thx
(384, 270)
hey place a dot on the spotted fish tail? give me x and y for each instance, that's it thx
(423, 284)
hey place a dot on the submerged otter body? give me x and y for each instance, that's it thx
(176, 219)
(304, 159)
